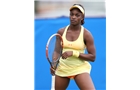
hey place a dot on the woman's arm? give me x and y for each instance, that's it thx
(89, 41)
(52, 70)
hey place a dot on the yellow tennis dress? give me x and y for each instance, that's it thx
(73, 65)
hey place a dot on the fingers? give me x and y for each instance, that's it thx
(66, 54)
(52, 71)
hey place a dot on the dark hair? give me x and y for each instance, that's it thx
(82, 21)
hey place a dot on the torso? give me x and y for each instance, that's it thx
(73, 39)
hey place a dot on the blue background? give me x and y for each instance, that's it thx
(44, 28)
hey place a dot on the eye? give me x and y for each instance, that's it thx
(77, 15)
(71, 14)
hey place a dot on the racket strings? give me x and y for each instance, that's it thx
(55, 50)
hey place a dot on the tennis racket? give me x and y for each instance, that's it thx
(54, 49)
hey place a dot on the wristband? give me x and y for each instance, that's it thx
(76, 53)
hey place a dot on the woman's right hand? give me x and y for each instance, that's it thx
(52, 71)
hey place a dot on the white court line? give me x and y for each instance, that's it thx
(53, 81)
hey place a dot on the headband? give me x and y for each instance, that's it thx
(79, 7)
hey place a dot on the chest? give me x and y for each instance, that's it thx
(74, 40)
(72, 35)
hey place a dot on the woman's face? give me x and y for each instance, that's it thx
(75, 16)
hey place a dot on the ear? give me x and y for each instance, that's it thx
(83, 16)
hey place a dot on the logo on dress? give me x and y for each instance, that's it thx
(69, 44)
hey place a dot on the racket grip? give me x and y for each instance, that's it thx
(76, 53)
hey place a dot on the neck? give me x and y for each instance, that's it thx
(75, 27)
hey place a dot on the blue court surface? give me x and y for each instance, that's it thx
(44, 28)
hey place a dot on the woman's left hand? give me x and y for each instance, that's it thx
(67, 54)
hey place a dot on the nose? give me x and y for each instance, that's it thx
(73, 17)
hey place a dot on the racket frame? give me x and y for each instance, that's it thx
(56, 34)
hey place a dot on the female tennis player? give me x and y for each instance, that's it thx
(74, 63)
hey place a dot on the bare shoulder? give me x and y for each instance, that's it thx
(87, 34)
(88, 38)
(61, 31)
